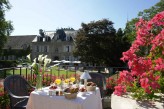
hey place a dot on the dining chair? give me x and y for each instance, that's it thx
(100, 81)
(18, 89)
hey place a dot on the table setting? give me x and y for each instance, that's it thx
(66, 94)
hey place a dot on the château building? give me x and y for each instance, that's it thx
(17, 47)
(58, 45)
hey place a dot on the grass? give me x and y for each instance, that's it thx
(53, 71)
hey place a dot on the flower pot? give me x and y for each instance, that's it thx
(39, 82)
(127, 102)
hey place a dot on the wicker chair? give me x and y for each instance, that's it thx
(18, 90)
(100, 80)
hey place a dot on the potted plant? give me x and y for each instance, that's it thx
(144, 82)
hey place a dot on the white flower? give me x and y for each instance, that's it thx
(28, 56)
(38, 67)
(35, 67)
(40, 57)
(46, 61)
(45, 56)
(34, 60)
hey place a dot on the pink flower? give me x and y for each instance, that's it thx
(147, 90)
(144, 82)
(154, 85)
(119, 90)
(145, 57)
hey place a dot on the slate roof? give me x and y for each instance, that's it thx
(16, 42)
(59, 34)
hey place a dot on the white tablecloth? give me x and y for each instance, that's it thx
(42, 100)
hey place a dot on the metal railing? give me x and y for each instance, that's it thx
(28, 71)
(6, 71)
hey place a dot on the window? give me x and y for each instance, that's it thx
(13, 57)
(67, 58)
(56, 58)
(56, 50)
(37, 48)
(67, 48)
(45, 48)
(41, 48)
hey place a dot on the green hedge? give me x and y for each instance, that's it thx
(8, 63)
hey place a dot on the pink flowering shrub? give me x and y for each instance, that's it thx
(4, 98)
(145, 60)
(110, 83)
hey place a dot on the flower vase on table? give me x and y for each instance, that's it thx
(39, 68)
(39, 82)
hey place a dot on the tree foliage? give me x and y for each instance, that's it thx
(97, 43)
(147, 14)
(5, 26)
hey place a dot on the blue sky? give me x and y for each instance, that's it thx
(28, 16)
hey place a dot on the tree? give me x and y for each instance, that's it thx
(5, 26)
(147, 14)
(120, 45)
(130, 28)
(97, 43)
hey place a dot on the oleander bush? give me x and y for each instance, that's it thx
(145, 60)
(110, 84)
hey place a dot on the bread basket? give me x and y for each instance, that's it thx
(70, 95)
(91, 88)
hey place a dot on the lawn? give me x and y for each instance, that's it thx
(53, 71)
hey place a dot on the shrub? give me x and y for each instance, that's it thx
(146, 61)
(4, 98)
(110, 84)
(8, 63)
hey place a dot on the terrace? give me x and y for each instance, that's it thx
(53, 73)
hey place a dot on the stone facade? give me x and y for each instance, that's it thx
(58, 45)
(17, 47)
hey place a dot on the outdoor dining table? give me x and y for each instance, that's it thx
(42, 100)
